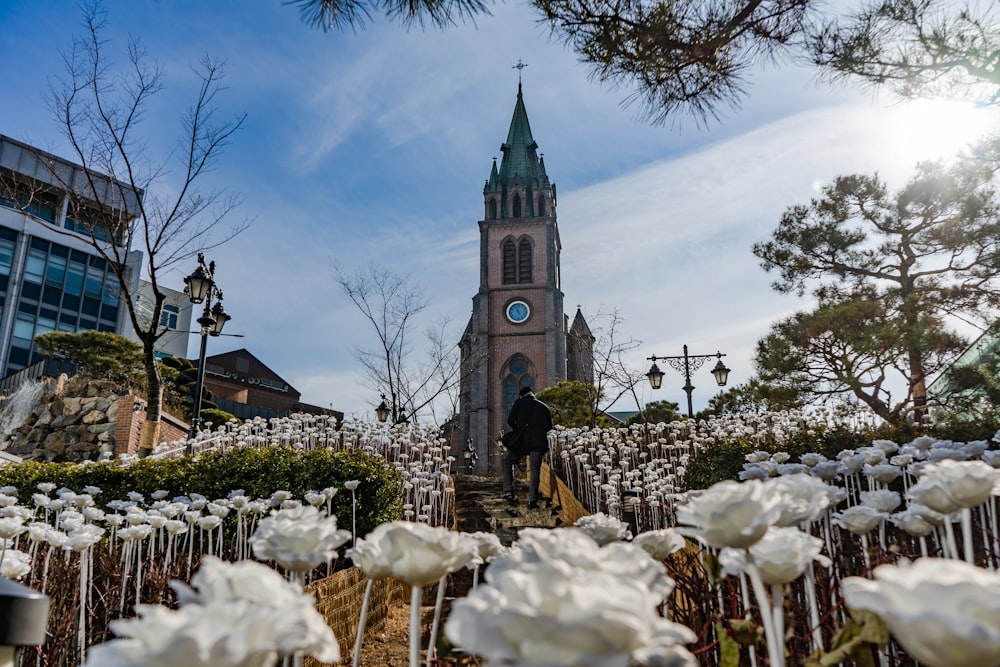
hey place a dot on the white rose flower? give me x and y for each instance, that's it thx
(550, 615)
(488, 545)
(420, 554)
(299, 539)
(571, 546)
(883, 473)
(369, 557)
(11, 527)
(951, 485)
(83, 538)
(883, 500)
(781, 556)
(945, 612)
(730, 514)
(811, 459)
(659, 544)
(860, 519)
(916, 520)
(14, 564)
(602, 528)
(803, 498)
(826, 470)
(218, 584)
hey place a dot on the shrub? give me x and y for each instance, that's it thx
(258, 472)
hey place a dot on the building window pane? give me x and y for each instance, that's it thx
(168, 317)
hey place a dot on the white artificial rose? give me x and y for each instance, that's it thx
(803, 498)
(14, 564)
(730, 514)
(370, 559)
(883, 473)
(660, 543)
(550, 615)
(781, 556)
(948, 485)
(299, 539)
(297, 625)
(883, 500)
(602, 528)
(11, 527)
(536, 546)
(860, 519)
(488, 545)
(945, 612)
(826, 470)
(420, 554)
(233, 634)
(917, 520)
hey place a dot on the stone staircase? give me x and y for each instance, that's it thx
(479, 507)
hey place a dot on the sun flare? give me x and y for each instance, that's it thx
(932, 129)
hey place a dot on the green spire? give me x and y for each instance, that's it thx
(520, 157)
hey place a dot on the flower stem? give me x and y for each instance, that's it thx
(361, 623)
(775, 651)
(970, 557)
(438, 603)
(415, 597)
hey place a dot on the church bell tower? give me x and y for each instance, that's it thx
(517, 334)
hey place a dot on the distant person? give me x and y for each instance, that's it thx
(528, 410)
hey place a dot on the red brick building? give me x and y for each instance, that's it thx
(242, 378)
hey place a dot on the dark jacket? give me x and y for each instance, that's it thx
(537, 416)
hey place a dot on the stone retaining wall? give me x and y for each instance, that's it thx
(79, 419)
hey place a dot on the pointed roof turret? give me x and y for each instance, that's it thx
(580, 327)
(520, 157)
(493, 183)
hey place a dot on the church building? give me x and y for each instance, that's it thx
(518, 334)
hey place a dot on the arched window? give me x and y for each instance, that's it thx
(524, 261)
(518, 372)
(541, 205)
(516, 205)
(493, 209)
(509, 251)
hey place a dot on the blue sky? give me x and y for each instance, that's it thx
(373, 147)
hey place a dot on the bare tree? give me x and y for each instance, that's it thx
(145, 206)
(414, 381)
(614, 376)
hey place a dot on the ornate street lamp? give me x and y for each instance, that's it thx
(382, 411)
(201, 287)
(687, 364)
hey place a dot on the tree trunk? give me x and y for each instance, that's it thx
(154, 397)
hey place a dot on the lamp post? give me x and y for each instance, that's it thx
(471, 456)
(687, 364)
(201, 288)
(383, 411)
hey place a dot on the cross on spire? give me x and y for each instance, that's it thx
(519, 66)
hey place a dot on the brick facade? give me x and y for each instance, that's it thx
(128, 426)
(519, 261)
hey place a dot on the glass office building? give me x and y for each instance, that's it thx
(50, 278)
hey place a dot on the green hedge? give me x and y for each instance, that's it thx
(259, 472)
(725, 460)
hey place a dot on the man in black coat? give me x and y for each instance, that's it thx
(528, 410)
